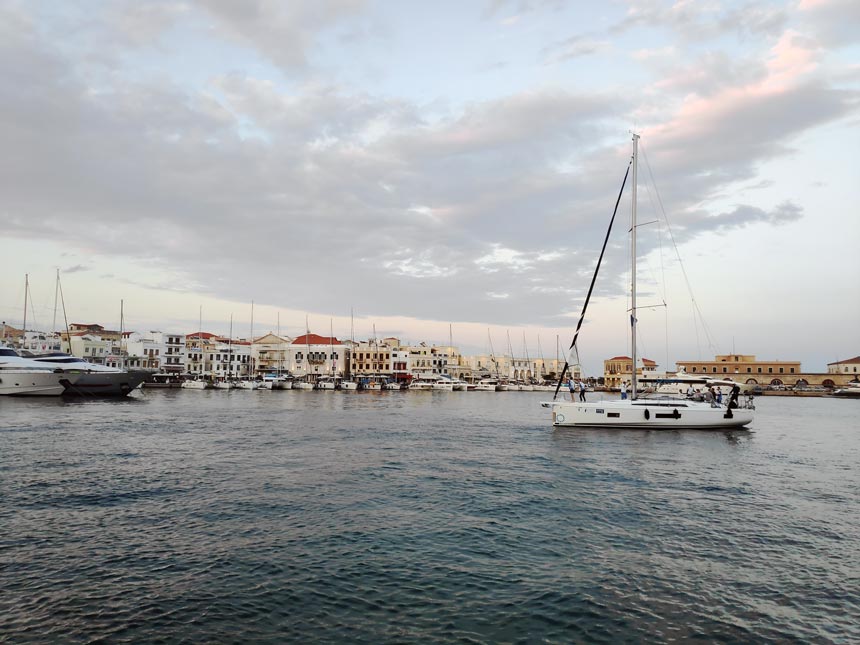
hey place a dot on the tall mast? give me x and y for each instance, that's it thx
(230, 350)
(121, 329)
(331, 343)
(526, 351)
(26, 291)
(56, 295)
(200, 342)
(251, 357)
(308, 350)
(633, 266)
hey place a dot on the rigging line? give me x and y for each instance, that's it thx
(677, 252)
(593, 280)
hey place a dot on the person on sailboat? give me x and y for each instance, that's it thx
(571, 384)
(581, 390)
(623, 390)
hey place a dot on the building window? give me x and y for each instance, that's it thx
(780, 370)
(770, 370)
(759, 370)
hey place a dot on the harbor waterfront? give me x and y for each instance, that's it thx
(432, 517)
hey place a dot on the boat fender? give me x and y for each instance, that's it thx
(559, 418)
(647, 414)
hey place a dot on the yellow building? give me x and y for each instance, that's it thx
(743, 367)
(620, 368)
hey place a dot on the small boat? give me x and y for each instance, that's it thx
(303, 385)
(393, 385)
(223, 385)
(348, 384)
(162, 380)
(196, 384)
(248, 384)
(487, 385)
(423, 384)
(459, 385)
(326, 383)
(372, 383)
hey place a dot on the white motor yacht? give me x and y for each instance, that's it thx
(21, 376)
(348, 384)
(94, 380)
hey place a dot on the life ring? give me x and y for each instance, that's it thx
(559, 418)
(647, 414)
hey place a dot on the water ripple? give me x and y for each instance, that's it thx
(333, 517)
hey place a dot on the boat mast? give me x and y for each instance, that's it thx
(633, 267)
(26, 291)
(251, 356)
(56, 296)
(331, 345)
(121, 330)
(526, 350)
(230, 351)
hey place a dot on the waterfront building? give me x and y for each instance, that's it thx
(197, 347)
(744, 367)
(269, 354)
(619, 369)
(427, 360)
(155, 350)
(848, 366)
(40, 342)
(91, 328)
(90, 347)
(375, 357)
(312, 356)
(225, 359)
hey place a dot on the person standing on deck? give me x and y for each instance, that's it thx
(623, 390)
(581, 391)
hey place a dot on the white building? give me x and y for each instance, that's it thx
(155, 350)
(224, 359)
(269, 354)
(41, 342)
(90, 347)
(313, 356)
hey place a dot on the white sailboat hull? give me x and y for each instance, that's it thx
(644, 414)
(348, 385)
(195, 385)
(303, 385)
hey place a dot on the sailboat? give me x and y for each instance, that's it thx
(638, 412)
(348, 383)
(199, 382)
(306, 383)
(329, 382)
(250, 382)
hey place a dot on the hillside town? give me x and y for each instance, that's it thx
(310, 357)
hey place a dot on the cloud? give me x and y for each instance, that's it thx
(574, 47)
(77, 268)
(315, 195)
(695, 21)
(282, 32)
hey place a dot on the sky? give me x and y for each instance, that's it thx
(438, 171)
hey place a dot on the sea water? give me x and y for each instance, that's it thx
(287, 516)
